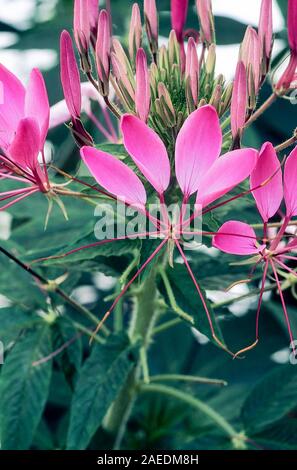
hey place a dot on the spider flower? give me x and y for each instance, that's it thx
(199, 170)
(24, 122)
(239, 238)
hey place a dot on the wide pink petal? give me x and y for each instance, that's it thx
(290, 183)
(226, 173)
(12, 101)
(236, 238)
(25, 147)
(36, 103)
(269, 197)
(147, 150)
(114, 176)
(198, 145)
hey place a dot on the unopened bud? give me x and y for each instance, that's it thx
(135, 33)
(103, 49)
(151, 23)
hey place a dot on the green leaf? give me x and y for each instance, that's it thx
(271, 399)
(99, 383)
(117, 150)
(24, 389)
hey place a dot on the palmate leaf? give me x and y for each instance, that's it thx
(101, 379)
(188, 300)
(271, 399)
(24, 389)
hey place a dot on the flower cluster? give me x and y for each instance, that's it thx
(181, 123)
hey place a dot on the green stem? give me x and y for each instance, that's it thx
(187, 378)
(261, 110)
(195, 403)
(141, 327)
(172, 301)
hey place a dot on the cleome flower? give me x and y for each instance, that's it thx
(24, 122)
(239, 238)
(199, 171)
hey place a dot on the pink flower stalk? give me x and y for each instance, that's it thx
(142, 92)
(151, 22)
(250, 55)
(240, 239)
(199, 168)
(135, 32)
(265, 32)
(192, 71)
(288, 77)
(239, 101)
(204, 9)
(103, 49)
(24, 122)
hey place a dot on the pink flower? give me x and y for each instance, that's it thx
(142, 92)
(239, 101)
(24, 122)
(199, 168)
(240, 239)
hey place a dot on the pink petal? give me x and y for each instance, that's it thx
(269, 197)
(114, 176)
(70, 75)
(81, 24)
(147, 150)
(290, 183)
(226, 173)
(236, 238)
(36, 103)
(239, 99)
(11, 105)
(25, 147)
(198, 145)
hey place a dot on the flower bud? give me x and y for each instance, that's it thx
(210, 63)
(70, 75)
(81, 25)
(288, 77)
(239, 100)
(151, 23)
(265, 31)
(250, 55)
(103, 49)
(135, 33)
(192, 75)
(179, 11)
(143, 93)
(204, 9)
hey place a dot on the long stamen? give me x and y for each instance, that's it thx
(18, 199)
(284, 306)
(284, 266)
(100, 127)
(15, 178)
(94, 245)
(280, 234)
(123, 292)
(248, 348)
(202, 299)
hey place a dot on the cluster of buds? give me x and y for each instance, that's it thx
(163, 85)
